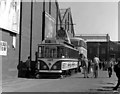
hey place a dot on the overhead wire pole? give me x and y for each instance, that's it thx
(108, 47)
(31, 27)
(56, 16)
(43, 21)
(20, 31)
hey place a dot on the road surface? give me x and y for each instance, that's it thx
(74, 83)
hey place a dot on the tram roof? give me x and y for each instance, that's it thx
(61, 44)
(58, 43)
(77, 38)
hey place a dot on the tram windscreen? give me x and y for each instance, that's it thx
(47, 52)
(75, 43)
(51, 52)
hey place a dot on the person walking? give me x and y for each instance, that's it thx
(117, 71)
(89, 65)
(95, 66)
(110, 63)
(80, 60)
(85, 67)
(100, 65)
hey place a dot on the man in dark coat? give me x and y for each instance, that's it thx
(22, 69)
(109, 66)
(28, 65)
(117, 71)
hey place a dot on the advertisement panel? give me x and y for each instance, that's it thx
(10, 15)
(49, 26)
(69, 65)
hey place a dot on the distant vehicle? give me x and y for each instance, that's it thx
(56, 58)
(80, 44)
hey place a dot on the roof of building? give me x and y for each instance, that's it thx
(95, 37)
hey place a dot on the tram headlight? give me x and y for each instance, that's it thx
(54, 67)
(44, 67)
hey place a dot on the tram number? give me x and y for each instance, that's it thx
(50, 59)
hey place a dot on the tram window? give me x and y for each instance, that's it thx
(60, 51)
(52, 53)
(66, 52)
(42, 51)
(39, 51)
(75, 43)
(46, 52)
(83, 44)
(80, 43)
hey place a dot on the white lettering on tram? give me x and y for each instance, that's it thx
(69, 65)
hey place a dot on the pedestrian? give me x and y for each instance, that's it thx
(84, 63)
(92, 66)
(117, 71)
(100, 65)
(28, 67)
(109, 65)
(89, 65)
(79, 60)
(22, 69)
(95, 66)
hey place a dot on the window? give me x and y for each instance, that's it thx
(90, 50)
(47, 52)
(75, 43)
(60, 51)
(14, 42)
(103, 51)
(39, 53)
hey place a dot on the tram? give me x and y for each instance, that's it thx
(56, 58)
(80, 44)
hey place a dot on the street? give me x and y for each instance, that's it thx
(74, 83)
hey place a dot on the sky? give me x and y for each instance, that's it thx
(95, 17)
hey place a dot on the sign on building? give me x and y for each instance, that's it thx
(3, 48)
(49, 26)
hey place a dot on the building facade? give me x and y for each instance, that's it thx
(9, 31)
(35, 21)
(38, 19)
(101, 46)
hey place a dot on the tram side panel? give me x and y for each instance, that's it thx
(56, 67)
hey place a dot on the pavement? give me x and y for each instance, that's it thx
(101, 85)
